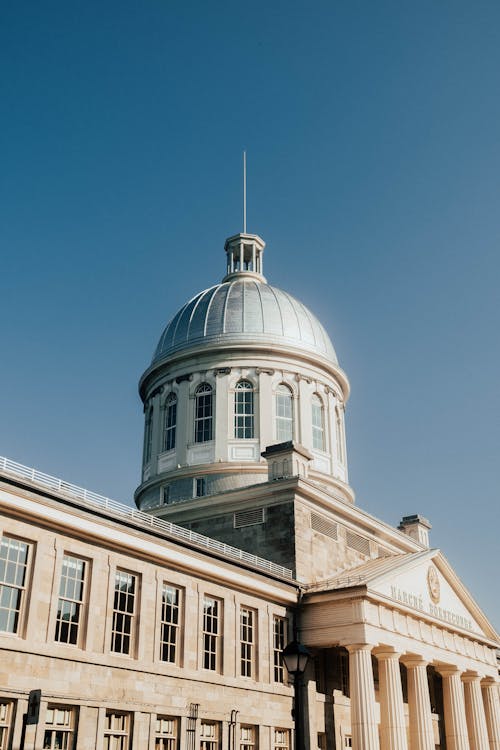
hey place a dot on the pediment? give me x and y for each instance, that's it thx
(426, 583)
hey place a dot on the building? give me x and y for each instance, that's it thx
(163, 627)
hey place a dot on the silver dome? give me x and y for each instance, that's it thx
(244, 310)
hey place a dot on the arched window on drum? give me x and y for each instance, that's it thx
(148, 436)
(318, 423)
(170, 422)
(203, 414)
(284, 413)
(244, 419)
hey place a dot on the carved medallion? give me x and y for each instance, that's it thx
(433, 584)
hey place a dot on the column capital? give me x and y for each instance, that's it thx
(448, 670)
(387, 654)
(353, 647)
(414, 661)
(470, 676)
(487, 682)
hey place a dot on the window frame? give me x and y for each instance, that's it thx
(251, 742)
(173, 626)
(166, 740)
(124, 615)
(284, 423)
(248, 642)
(19, 590)
(170, 422)
(318, 430)
(7, 720)
(281, 744)
(279, 635)
(203, 413)
(206, 741)
(212, 640)
(244, 410)
(81, 603)
(67, 730)
(148, 436)
(115, 733)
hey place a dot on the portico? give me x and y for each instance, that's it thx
(450, 695)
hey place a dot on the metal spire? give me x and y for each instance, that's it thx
(244, 192)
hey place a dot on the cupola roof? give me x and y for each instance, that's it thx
(244, 309)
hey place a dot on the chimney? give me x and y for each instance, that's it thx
(417, 527)
(287, 460)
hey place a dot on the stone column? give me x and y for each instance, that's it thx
(491, 703)
(474, 711)
(419, 704)
(363, 719)
(455, 724)
(392, 718)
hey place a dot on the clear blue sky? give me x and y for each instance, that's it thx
(373, 139)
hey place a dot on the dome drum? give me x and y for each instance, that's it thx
(241, 366)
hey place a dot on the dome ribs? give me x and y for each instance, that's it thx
(246, 311)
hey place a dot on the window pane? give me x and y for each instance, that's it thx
(14, 558)
(243, 410)
(170, 423)
(284, 414)
(203, 414)
(123, 612)
(170, 619)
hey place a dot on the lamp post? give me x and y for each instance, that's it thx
(296, 656)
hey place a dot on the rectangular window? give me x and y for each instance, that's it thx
(210, 735)
(60, 725)
(281, 739)
(247, 641)
(124, 613)
(15, 559)
(70, 603)
(212, 633)
(166, 733)
(347, 742)
(117, 731)
(200, 486)
(170, 622)
(6, 717)
(279, 628)
(248, 737)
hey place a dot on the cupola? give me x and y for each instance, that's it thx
(244, 256)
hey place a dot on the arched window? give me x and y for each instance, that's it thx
(340, 435)
(203, 414)
(170, 422)
(284, 414)
(243, 410)
(318, 429)
(148, 436)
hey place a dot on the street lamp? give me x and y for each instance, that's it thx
(295, 656)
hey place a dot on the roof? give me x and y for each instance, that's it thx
(244, 310)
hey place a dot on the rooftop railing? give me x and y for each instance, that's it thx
(143, 520)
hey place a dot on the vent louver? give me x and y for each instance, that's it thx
(324, 526)
(249, 517)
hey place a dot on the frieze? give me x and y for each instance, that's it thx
(416, 601)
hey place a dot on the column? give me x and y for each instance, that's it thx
(419, 704)
(392, 718)
(455, 724)
(363, 719)
(491, 703)
(474, 711)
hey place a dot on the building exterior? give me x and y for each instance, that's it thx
(163, 627)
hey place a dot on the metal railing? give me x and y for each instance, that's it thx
(143, 520)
